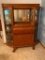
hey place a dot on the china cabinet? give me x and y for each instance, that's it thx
(21, 23)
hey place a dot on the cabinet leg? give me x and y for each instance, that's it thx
(14, 49)
(33, 47)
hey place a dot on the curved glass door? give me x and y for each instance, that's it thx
(7, 16)
(8, 28)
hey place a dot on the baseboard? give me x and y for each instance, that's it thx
(36, 42)
(42, 44)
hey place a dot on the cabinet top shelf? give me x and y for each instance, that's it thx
(21, 5)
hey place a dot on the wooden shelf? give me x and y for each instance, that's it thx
(8, 24)
(8, 31)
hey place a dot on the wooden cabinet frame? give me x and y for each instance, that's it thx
(23, 34)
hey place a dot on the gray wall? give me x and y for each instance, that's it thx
(41, 29)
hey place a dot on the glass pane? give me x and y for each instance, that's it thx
(32, 14)
(36, 14)
(7, 16)
(9, 37)
(21, 15)
(8, 27)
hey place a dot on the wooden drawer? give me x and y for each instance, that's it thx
(23, 40)
(24, 30)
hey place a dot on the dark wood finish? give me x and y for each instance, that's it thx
(23, 33)
(37, 6)
(0, 26)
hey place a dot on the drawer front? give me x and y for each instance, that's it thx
(23, 30)
(23, 39)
